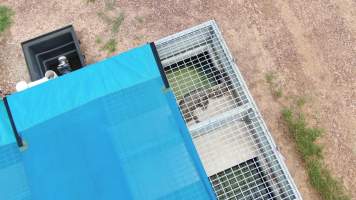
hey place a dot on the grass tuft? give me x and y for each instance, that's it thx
(304, 136)
(320, 178)
(270, 76)
(5, 18)
(322, 181)
(278, 93)
(110, 46)
(116, 23)
(275, 89)
(301, 101)
(98, 40)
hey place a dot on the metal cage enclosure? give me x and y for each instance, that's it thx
(237, 151)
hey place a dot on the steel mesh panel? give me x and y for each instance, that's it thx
(232, 184)
(223, 120)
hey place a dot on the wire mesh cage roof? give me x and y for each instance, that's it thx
(237, 151)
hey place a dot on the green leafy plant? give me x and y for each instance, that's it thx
(5, 18)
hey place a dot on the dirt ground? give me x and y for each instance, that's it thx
(310, 45)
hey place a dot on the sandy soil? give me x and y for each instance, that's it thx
(310, 45)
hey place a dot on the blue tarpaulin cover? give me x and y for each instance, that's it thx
(108, 131)
(13, 183)
(6, 134)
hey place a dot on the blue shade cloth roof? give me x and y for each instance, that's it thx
(45, 101)
(108, 131)
(13, 180)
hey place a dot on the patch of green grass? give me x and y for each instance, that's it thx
(187, 79)
(113, 20)
(90, 1)
(301, 101)
(116, 23)
(5, 18)
(98, 40)
(270, 76)
(305, 137)
(278, 93)
(275, 89)
(110, 46)
(322, 180)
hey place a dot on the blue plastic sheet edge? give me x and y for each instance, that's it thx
(189, 143)
(6, 133)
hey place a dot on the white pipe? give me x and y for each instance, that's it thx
(22, 85)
